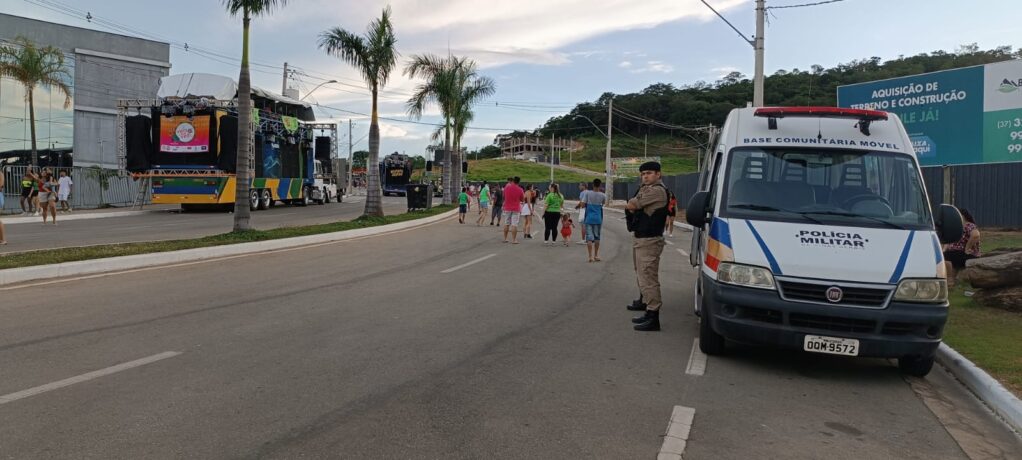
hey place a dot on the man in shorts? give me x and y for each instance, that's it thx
(484, 203)
(582, 189)
(513, 197)
(593, 201)
(498, 205)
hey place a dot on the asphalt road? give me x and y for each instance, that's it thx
(174, 224)
(399, 346)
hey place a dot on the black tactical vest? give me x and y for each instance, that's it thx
(652, 226)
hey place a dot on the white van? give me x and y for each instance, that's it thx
(814, 232)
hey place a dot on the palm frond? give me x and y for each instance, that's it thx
(254, 7)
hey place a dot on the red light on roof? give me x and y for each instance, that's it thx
(828, 112)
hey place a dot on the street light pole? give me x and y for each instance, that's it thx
(551, 158)
(317, 87)
(610, 138)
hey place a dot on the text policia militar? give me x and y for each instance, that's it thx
(911, 95)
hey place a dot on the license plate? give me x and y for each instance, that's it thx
(831, 345)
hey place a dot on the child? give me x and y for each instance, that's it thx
(566, 226)
(462, 205)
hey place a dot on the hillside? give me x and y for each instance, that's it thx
(497, 170)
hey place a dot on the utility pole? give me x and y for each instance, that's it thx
(283, 85)
(551, 158)
(757, 84)
(351, 159)
(645, 143)
(610, 136)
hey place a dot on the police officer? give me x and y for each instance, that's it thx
(648, 212)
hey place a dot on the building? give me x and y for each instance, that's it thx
(530, 147)
(103, 67)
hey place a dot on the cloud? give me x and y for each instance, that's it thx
(721, 72)
(625, 64)
(656, 67)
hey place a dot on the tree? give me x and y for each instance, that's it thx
(374, 56)
(247, 9)
(470, 89)
(32, 67)
(440, 88)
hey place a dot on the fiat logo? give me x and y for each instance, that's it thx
(834, 294)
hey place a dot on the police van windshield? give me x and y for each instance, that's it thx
(828, 187)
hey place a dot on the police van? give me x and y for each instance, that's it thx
(814, 232)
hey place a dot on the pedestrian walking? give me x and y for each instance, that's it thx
(47, 197)
(498, 204)
(566, 225)
(513, 196)
(595, 199)
(672, 211)
(3, 181)
(484, 203)
(462, 205)
(64, 185)
(552, 214)
(527, 213)
(582, 189)
(27, 192)
(647, 213)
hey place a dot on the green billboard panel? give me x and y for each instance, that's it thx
(960, 116)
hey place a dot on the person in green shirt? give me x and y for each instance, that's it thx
(462, 205)
(552, 215)
(484, 203)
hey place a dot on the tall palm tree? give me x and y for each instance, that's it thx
(32, 67)
(470, 89)
(247, 9)
(375, 56)
(440, 88)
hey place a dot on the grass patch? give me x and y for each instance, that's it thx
(991, 240)
(497, 171)
(55, 256)
(987, 336)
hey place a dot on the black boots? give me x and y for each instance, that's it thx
(636, 305)
(648, 322)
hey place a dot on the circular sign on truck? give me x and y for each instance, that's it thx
(185, 132)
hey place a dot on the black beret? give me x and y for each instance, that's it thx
(650, 166)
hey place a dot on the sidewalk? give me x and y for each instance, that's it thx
(12, 219)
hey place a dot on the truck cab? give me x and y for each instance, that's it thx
(814, 232)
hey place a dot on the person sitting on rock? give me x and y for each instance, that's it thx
(956, 254)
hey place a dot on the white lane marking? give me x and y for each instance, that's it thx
(696, 360)
(682, 251)
(85, 377)
(466, 264)
(670, 242)
(206, 261)
(677, 433)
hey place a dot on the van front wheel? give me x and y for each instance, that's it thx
(916, 366)
(710, 342)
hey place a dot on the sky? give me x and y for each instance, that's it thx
(544, 55)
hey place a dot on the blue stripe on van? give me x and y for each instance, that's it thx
(900, 268)
(766, 251)
(937, 253)
(721, 231)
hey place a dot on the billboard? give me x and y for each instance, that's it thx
(181, 134)
(959, 116)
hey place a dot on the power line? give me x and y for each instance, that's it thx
(802, 5)
(747, 40)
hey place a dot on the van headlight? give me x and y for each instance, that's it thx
(745, 275)
(922, 290)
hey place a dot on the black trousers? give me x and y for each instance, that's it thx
(550, 220)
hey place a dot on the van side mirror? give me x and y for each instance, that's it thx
(949, 224)
(698, 207)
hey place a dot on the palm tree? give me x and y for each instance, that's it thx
(374, 55)
(440, 88)
(247, 9)
(33, 67)
(470, 89)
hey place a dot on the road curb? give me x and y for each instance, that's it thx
(112, 264)
(68, 217)
(989, 390)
